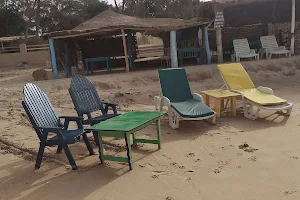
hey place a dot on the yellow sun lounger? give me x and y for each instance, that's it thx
(237, 80)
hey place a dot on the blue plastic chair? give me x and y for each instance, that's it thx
(86, 101)
(44, 120)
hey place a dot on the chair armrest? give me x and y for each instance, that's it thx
(112, 105)
(265, 90)
(252, 51)
(281, 48)
(71, 118)
(68, 119)
(49, 129)
(198, 97)
(108, 103)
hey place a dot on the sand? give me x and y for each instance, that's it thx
(235, 159)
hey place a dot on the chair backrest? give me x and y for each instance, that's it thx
(269, 42)
(175, 85)
(38, 107)
(235, 76)
(241, 46)
(84, 96)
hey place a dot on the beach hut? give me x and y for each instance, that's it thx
(120, 29)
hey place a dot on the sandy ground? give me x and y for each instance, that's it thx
(198, 161)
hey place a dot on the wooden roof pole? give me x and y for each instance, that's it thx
(293, 27)
(125, 50)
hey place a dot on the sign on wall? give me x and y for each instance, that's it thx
(219, 20)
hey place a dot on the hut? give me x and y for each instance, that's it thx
(110, 35)
(254, 18)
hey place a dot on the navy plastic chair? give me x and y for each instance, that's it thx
(86, 101)
(44, 120)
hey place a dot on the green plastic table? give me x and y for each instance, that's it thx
(122, 127)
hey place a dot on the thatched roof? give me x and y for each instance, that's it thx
(109, 22)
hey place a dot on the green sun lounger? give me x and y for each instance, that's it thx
(177, 96)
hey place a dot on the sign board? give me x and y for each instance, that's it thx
(219, 20)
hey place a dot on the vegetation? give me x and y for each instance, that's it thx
(41, 16)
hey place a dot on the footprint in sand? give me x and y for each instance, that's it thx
(252, 158)
(294, 157)
(286, 193)
(217, 171)
(197, 160)
(169, 198)
(176, 164)
(190, 155)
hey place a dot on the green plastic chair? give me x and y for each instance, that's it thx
(177, 96)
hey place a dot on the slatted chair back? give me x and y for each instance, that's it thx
(241, 46)
(269, 42)
(38, 108)
(85, 96)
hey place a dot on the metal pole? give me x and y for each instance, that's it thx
(173, 46)
(293, 27)
(53, 58)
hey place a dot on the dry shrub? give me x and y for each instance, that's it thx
(39, 75)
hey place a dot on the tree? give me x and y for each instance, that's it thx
(11, 23)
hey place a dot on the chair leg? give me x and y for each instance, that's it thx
(40, 156)
(87, 143)
(69, 156)
(96, 138)
(59, 149)
(173, 118)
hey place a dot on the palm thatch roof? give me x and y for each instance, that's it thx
(110, 22)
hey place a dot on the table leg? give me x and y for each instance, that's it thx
(133, 139)
(87, 67)
(222, 105)
(101, 148)
(206, 100)
(107, 65)
(233, 106)
(181, 59)
(218, 107)
(158, 133)
(128, 147)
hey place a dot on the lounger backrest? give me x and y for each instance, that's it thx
(241, 46)
(269, 42)
(38, 107)
(84, 96)
(175, 85)
(235, 76)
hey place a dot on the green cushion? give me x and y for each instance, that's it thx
(192, 109)
(175, 85)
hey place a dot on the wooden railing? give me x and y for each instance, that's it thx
(24, 48)
(41, 47)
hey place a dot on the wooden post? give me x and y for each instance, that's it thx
(125, 50)
(219, 44)
(208, 54)
(53, 58)
(293, 27)
(67, 60)
(173, 46)
(2, 46)
(130, 49)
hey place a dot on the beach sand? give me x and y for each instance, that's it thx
(197, 161)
